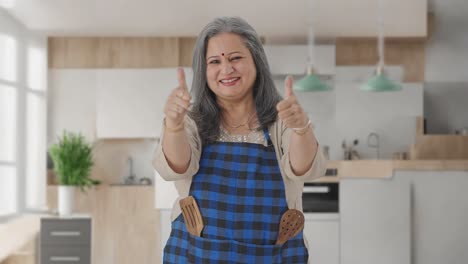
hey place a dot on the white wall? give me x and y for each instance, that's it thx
(446, 68)
(348, 113)
(447, 49)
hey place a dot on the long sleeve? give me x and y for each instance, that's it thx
(317, 168)
(160, 163)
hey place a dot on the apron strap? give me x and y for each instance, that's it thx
(267, 136)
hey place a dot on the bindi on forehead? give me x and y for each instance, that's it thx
(223, 54)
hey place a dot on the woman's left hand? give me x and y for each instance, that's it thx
(289, 109)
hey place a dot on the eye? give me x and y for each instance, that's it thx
(236, 58)
(213, 62)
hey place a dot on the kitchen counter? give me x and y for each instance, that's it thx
(386, 168)
(125, 223)
(17, 233)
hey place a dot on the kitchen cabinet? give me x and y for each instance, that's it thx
(322, 232)
(375, 220)
(439, 214)
(164, 229)
(65, 240)
(72, 102)
(124, 222)
(130, 102)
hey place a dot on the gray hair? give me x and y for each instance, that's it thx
(205, 111)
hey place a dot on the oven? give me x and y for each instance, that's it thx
(321, 197)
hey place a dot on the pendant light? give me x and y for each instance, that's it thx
(311, 82)
(380, 82)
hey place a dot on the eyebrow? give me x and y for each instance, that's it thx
(232, 52)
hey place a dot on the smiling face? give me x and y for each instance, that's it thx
(230, 70)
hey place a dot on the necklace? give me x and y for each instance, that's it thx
(237, 126)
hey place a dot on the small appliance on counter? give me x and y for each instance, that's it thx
(349, 152)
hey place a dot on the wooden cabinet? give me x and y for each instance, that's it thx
(130, 102)
(125, 224)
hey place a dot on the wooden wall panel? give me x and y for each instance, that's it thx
(154, 52)
(113, 52)
(410, 53)
(72, 52)
(438, 147)
(186, 51)
(443, 147)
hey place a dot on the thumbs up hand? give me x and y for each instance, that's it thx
(178, 103)
(289, 109)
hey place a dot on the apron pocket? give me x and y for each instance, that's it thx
(206, 250)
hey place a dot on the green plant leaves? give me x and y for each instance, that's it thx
(73, 160)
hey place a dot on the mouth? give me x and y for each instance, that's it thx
(229, 81)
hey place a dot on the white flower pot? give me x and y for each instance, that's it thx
(66, 196)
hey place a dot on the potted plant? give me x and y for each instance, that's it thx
(73, 159)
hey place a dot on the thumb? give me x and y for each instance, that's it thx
(288, 86)
(181, 79)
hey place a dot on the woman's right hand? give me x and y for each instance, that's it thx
(178, 102)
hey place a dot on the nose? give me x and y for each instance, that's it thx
(227, 68)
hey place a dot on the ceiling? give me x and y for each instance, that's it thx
(332, 18)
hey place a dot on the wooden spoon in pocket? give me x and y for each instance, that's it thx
(192, 215)
(292, 222)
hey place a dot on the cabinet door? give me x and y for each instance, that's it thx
(375, 221)
(72, 102)
(130, 102)
(323, 239)
(164, 229)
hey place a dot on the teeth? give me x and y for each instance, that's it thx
(229, 80)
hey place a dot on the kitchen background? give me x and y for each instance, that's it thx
(92, 76)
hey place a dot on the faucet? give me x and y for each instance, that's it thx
(130, 179)
(375, 145)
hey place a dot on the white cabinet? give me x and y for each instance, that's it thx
(72, 102)
(130, 102)
(375, 220)
(165, 192)
(322, 232)
(164, 229)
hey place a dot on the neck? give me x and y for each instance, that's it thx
(237, 108)
(237, 113)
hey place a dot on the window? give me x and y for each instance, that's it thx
(23, 93)
(8, 129)
(8, 57)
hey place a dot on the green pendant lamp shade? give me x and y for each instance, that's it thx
(311, 83)
(380, 83)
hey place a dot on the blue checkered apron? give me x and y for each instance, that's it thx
(240, 192)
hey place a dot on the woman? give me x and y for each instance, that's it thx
(241, 151)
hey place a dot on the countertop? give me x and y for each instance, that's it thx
(386, 168)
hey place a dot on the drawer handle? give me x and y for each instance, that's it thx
(316, 189)
(65, 233)
(71, 259)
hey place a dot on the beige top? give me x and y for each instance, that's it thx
(279, 135)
